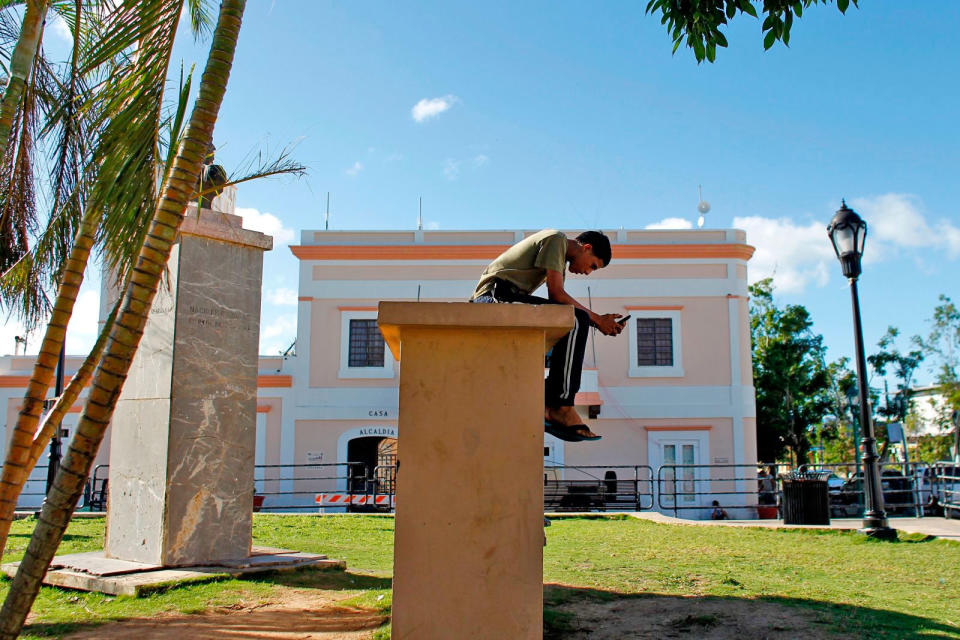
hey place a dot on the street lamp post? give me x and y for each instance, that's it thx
(53, 463)
(847, 233)
(853, 402)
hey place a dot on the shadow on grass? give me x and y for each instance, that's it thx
(575, 612)
(67, 537)
(327, 580)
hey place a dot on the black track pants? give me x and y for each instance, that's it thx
(566, 361)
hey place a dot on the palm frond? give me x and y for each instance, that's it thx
(202, 17)
(63, 139)
(140, 35)
(9, 34)
(17, 203)
(260, 165)
(68, 126)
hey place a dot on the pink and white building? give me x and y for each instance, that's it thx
(675, 388)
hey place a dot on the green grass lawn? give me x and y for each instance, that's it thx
(854, 586)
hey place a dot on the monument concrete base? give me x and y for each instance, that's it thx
(93, 571)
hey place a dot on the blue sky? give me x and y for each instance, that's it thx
(572, 115)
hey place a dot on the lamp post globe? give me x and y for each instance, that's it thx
(848, 232)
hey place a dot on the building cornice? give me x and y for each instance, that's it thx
(421, 252)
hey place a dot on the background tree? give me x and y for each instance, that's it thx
(902, 366)
(942, 345)
(792, 384)
(698, 22)
(837, 434)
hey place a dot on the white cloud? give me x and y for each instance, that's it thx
(266, 223)
(282, 296)
(277, 335)
(793, 254)
(284, 324)
(81, 332)
(897, 220)
(431, 107)
(671, 223)
(355, 169)
(12, 328)
(84, 324)
(59, 27)
(796, 254)
(451, 169)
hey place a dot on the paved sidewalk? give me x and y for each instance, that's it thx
(939, 527)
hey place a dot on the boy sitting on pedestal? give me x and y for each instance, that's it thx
(517, 273)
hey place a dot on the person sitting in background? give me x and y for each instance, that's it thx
(767, 484)
(718, 512)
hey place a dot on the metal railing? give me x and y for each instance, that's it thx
(34, 489)
(946, 488)
(598, 488)
(738, 489)
(294, 487)
(906, 488)
(914, 489)
(95, 491)
(909, 489)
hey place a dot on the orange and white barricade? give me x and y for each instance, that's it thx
(344, 499)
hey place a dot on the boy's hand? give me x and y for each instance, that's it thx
(608, 325)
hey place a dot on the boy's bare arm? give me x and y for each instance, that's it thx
(607, 323)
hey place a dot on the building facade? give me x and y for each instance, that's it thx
(669, 395)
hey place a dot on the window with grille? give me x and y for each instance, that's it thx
(366, 344)
(654, 342)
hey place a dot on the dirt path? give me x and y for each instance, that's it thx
(298, 614)
(295, 615)
(700, 618)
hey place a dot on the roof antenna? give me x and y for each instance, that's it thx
(326, 218)
(420, 216)
(703, 207)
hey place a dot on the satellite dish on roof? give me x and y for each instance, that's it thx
(703, 207)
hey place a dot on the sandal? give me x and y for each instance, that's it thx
(570, 433)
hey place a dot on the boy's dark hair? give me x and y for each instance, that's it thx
(600, 244)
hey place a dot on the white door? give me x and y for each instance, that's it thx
(679, 486)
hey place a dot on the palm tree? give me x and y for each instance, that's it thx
(21, 63)
(128, 328)
(126, 113)
(117, 179)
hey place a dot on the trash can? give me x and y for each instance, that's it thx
(806, 499)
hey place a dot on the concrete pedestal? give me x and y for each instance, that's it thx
(184, 431)
(468, 550)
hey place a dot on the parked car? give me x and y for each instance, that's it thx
(898, 495)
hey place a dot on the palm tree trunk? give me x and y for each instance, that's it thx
(20, 65)
(128, 329)
(51, 421)
(16, 467)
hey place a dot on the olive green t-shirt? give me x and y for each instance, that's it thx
(525, 264)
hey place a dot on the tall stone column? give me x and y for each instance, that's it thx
(184, 431)
(468, 548)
